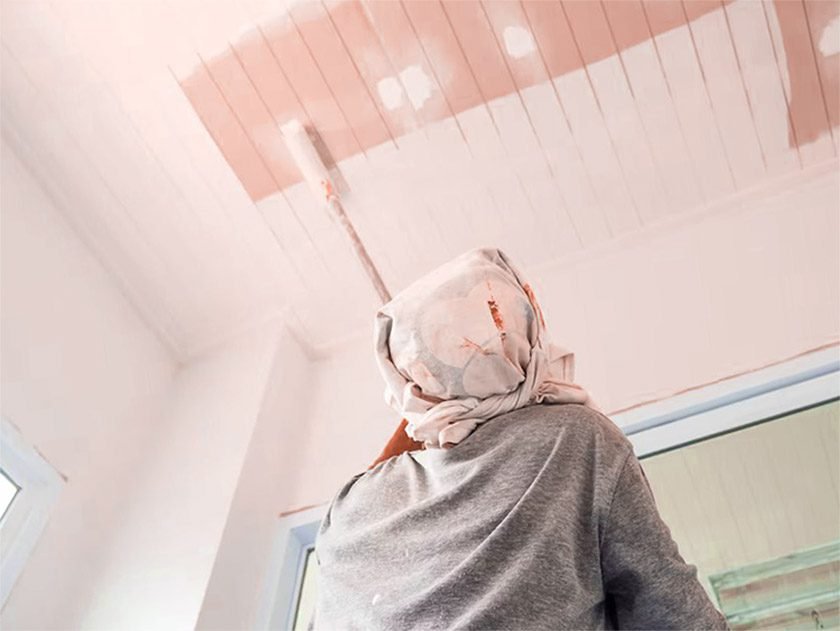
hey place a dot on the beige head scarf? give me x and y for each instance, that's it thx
(465, 343)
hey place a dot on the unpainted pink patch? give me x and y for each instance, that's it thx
(627, 21)
(807, 106)
(340, 74)
(698, 8)
(323, 67)
(554, 37)
(590, 29)
(663, 15)
(358, 35)
(480, 47)
(308, 84)
(527, 68)
(408, 59)
(445, 54)
(262, 68)
(228, 134)
(821, 13)
(254, 118)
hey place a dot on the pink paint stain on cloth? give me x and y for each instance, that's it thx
(466, 343)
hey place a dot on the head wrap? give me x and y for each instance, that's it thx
(465, 343)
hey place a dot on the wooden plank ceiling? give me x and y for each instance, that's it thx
(539, 126)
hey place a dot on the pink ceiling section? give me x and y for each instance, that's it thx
(813, 82)
(325, 62)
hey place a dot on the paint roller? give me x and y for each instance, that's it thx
(317, 176)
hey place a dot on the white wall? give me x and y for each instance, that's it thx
(152, 451)
(83, 379)
(270, 476)
(156, 573)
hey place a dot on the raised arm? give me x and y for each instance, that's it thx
(649, 583)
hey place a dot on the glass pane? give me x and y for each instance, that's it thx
(8, 490)
(761, 505)
(308, 590)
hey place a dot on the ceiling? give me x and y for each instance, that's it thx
(540, 127)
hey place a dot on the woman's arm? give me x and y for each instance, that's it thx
(398, 443)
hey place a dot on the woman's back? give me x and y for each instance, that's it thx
(539, 519)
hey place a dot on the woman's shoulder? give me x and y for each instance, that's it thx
(581, 422)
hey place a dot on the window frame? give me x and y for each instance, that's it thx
(758, 396)
(39, 488)
(281, 587)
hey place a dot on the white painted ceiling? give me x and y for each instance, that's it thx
(539, 127)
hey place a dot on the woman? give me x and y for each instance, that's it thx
(511, 502)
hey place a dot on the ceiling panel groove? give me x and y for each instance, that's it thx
(281, 195)
(260, 100)
(715, 55)
(750, 39)
(471, 55)
(134, 138)
(366, 52)
(444, 55)
(657, 166)
(259, 212)
(691, 99)
(167, 175)
(292, 273)
(585, 199)
(520, 229)
(332, 94)
(401, 47)
(165, 322)
(162, 325)
(494, 29)
(435, 76)
(330, 91)
(789, 33)
(820, 79)
(373, 100)
(673, 105)
(653, 103)
(609, 135)
(785, 94)
(750, 106)
(224, 210)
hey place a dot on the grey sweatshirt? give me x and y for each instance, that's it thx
(542, 518)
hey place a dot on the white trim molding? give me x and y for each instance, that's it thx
(40, 485)
(784, 388)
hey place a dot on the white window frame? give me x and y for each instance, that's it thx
(762, 395)
(281, 586)
(758, 396)
(27, 516)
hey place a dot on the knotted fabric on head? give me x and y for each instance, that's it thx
(465, 343)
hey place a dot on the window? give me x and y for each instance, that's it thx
(29, 487)
(761, 524)
(307, 590)
(8, 492)
(290, 587)
(757, 456)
